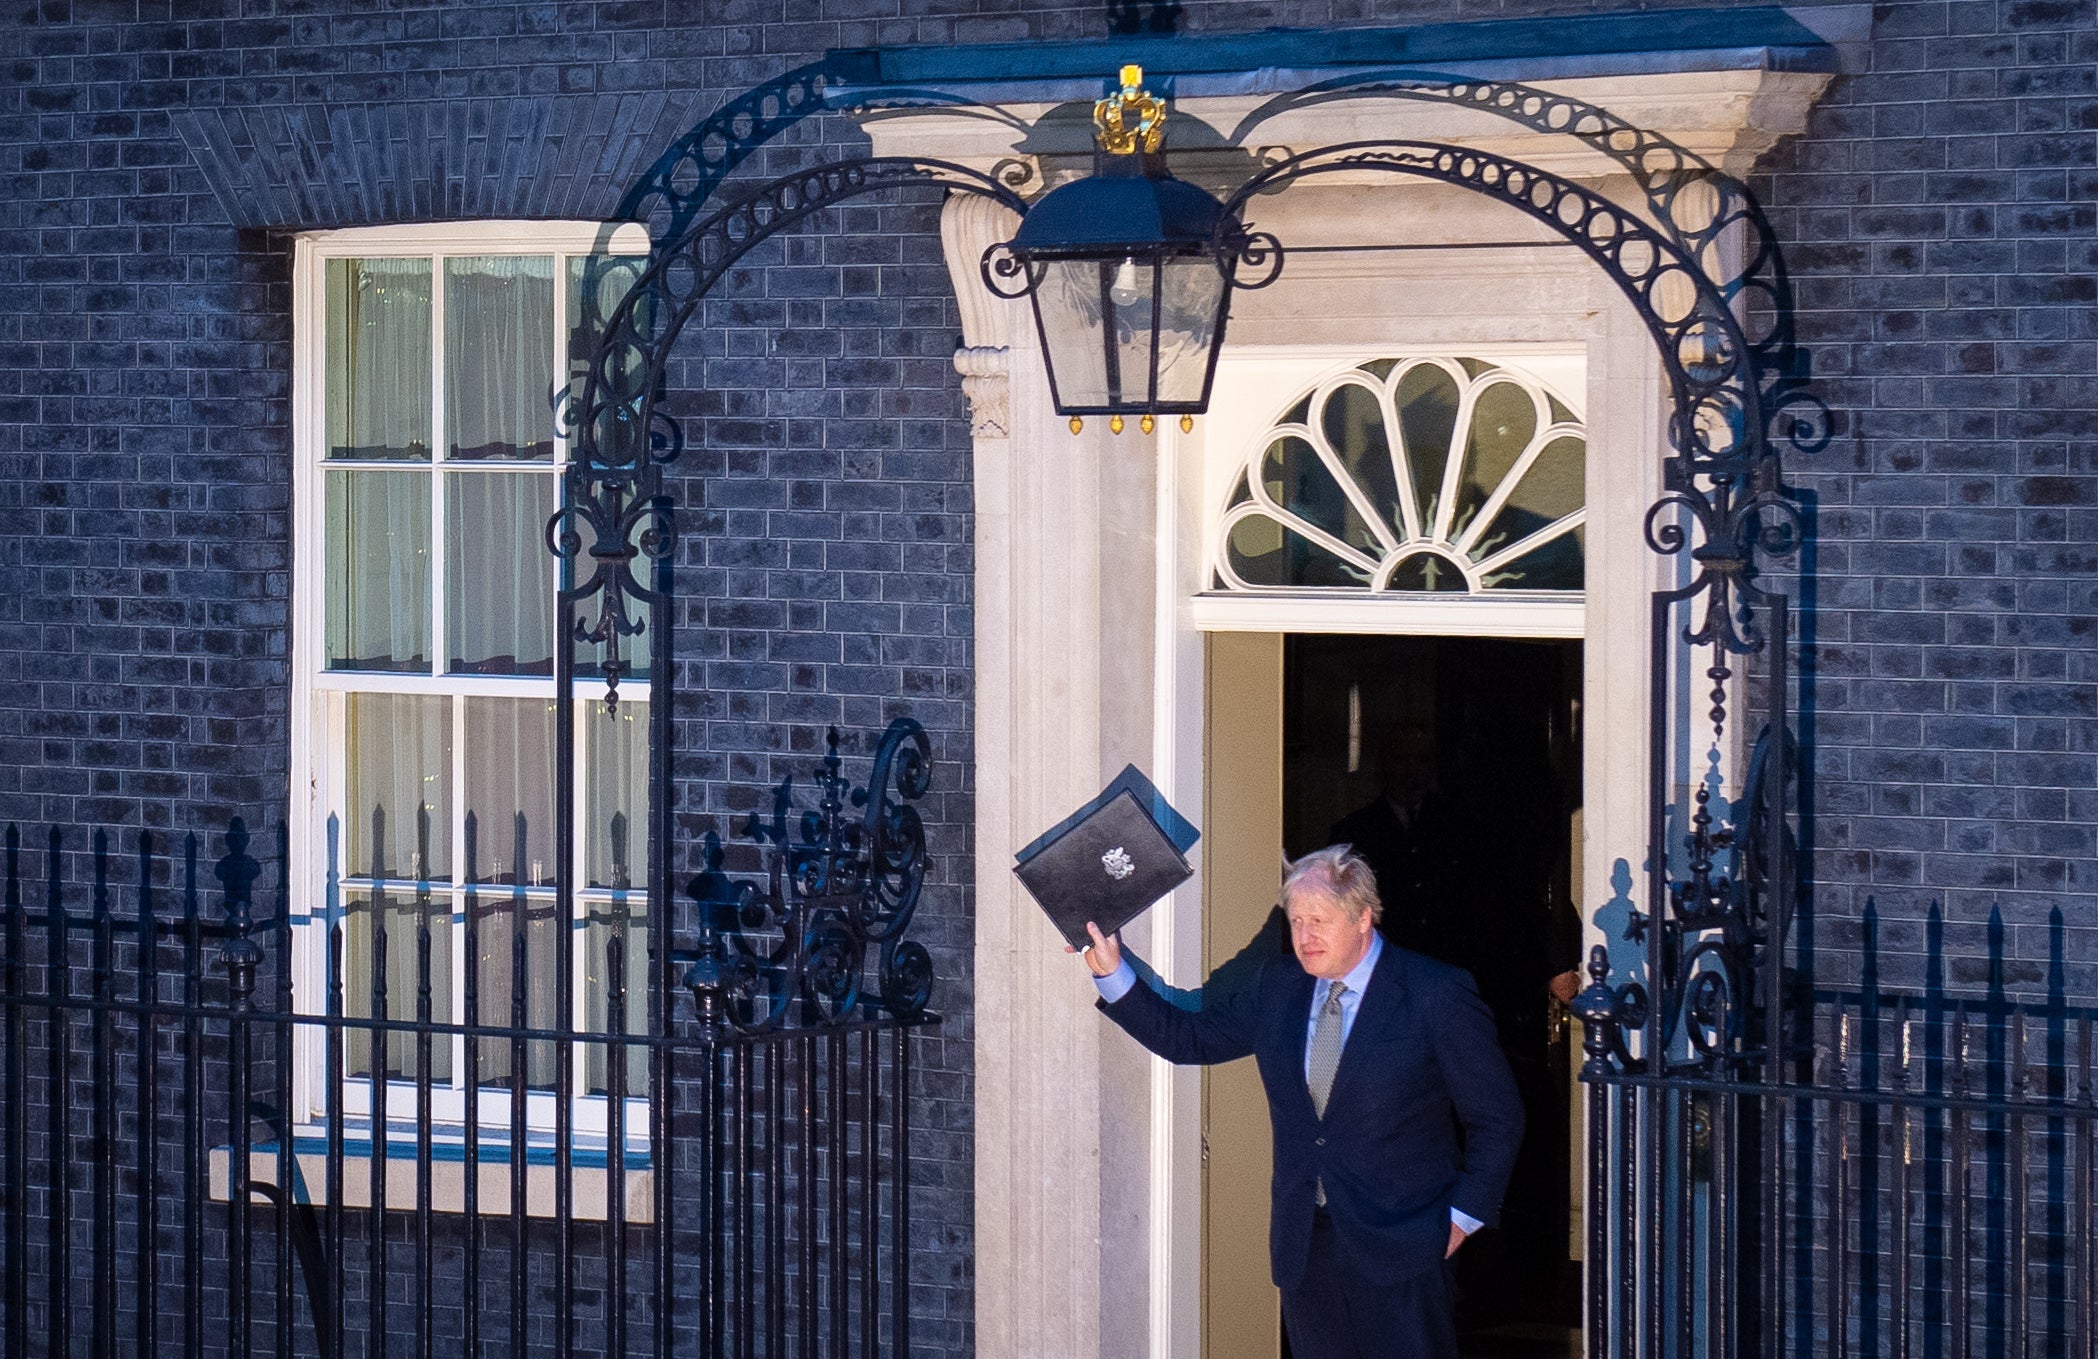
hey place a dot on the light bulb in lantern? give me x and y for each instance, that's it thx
(1126, 287)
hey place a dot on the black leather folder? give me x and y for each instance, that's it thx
(1109, 861)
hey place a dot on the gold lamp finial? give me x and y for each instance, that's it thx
(1131, 117)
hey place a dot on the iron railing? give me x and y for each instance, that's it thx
(1918, 1180)
(734, 1181)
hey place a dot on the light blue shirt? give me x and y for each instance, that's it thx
(1117, 984)
(1357, 981)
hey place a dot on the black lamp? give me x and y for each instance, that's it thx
(1129, 272)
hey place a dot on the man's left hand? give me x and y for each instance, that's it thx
(1457, 1235)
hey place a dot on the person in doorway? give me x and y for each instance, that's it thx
(1374, 1059)
(1413, 841)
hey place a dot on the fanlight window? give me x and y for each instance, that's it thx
(1445, 476)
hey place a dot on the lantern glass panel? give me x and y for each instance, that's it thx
(1191, 292)
(1070, 300)
(1132, 290)
(1129, 334)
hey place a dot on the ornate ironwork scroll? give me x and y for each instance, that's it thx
(842, 882)
(1704, 353)
(685, 177)
(1709, 215)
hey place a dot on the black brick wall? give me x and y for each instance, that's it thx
(1940, 214)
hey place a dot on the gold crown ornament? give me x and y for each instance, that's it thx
(1130, 117)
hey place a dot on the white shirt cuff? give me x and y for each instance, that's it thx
(1466, 1221)
(1116, 984)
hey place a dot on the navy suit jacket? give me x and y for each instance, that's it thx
(1421, 1062)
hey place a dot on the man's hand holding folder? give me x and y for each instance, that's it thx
(1107, 862)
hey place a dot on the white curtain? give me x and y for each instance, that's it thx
(615, 795)
(378, 581)
(378, 366)
(510, 789)
(499, 357)
(398, 828)
(500, 575)
(400, 773)
(615, 854)
(510, 796)
(501, 913)
(400, 909)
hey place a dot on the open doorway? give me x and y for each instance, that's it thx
(1453, 765)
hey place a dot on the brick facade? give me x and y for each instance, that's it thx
(1941, 217)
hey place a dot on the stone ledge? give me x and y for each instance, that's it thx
(589, 1183)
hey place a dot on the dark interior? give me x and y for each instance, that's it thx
(1453, 765)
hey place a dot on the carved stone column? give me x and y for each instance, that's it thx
(1061, 613)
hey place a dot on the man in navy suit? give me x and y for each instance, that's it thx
(1396, 1121)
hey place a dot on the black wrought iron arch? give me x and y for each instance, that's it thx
(615, 536)
(1663, 168)
(614, 410)
(689, 171)
(692, 169)
(1712, 937)
(1732, 394)
(1704, 352)
(619, 438)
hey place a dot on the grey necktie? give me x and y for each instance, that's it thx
(1325, 1048)
(1325, 1060)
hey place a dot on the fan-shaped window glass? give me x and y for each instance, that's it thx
(1429, 476)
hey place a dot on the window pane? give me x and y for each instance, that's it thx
(1429, 571)
(1504, 418)
(391, 922)
(400, 761)
(1132, 293)
(510, 791)
(1561, 563)
(1071, 299)
(1298, 479)
(378, 366)
(1266, 553)
(1426, 400)
(1353, 423)
(499, 357)
(515, 934)
(500, 576)
(597, 284)
(1188, 306)
(378, 571)
(615, 794)
(625, 919)
(1554, 487)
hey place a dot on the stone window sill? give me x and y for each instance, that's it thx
(590, 1176)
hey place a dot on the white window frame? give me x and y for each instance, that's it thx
(1267, 380)
(318, 728)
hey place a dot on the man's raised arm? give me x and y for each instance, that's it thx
(1221, 1031)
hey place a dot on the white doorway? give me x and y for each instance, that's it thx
(1241, 634)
